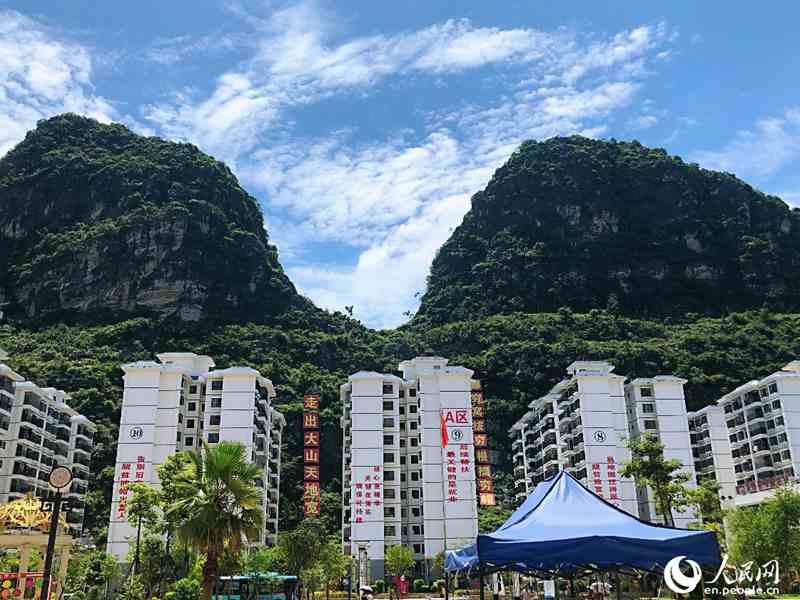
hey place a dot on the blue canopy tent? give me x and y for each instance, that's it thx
(562, 527)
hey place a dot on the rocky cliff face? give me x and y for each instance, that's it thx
(591, 224)
(96, 220)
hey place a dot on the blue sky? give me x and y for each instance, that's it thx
(363, 127)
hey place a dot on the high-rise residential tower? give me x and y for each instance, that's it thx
(579, 426)
(177, 404)
(408, 463)
(38, 431)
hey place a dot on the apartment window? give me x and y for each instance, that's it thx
(190, 423)
(412, 409)
(388, 405)
(389, 530)
(416, 529)
(388, 440)
(192, 406)
(646, 392)
(415, 459)
(648, 408)
(215, 420)
(417, 548)
(414, 475)
(216, 385)
(402, 426)
(402, 443)
(402, 460)
(388, 511)
(402, 494)
(178, 438)
(402, 410)
(414, 442)
(402, 477)
(412, 392)
(180, 418)
(189, 441)
(416, 511)
(776, 404)
(388, 457)
(216, 402)
(388, 388)
(388, 475)
(773, 388)
(389, 493)
(650, 424)
(192, 389)
(401, 392)
(412, 425)
(213, 438)
(388, 422)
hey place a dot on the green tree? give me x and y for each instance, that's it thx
(649, 468)
(301, 550)
(144, 510)
(399, 559)
(219, 505)
(187, 588)
(769, 531)
(491, 517)
(334, 563)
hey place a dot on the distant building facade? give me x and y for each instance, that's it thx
(579, 426)
(408, 472)
(177, 404)
(658, 406)
(583, 425)
(38, 431)
(762, 425)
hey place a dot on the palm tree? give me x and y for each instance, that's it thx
(217, 505)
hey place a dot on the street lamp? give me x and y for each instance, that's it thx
(60, 477)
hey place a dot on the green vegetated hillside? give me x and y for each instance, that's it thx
(81, 303)
(593, 224)
(97, 220)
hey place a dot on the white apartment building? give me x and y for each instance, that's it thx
(579, 426)
(658, 406)
(762, 418)
(38, 431)
(177, 404)
(400, 484)
(711, 449)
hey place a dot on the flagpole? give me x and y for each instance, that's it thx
(445, 441)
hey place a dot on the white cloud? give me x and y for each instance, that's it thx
(42, 75)
(171, 50)
(767, 148)
(383, 284)
(642, 122)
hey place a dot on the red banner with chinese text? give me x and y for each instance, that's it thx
(483, 463)
(311, 445)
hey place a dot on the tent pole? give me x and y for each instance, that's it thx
(480, 575)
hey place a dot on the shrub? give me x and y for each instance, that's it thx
(379, 586)
(419, 585)
(437, 585)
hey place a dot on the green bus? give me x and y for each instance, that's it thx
(256, 586)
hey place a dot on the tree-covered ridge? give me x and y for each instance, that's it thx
(517, 357)
(97, 220)
(593, 224)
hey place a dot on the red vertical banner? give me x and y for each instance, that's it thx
(311, 445)
(483, 463)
